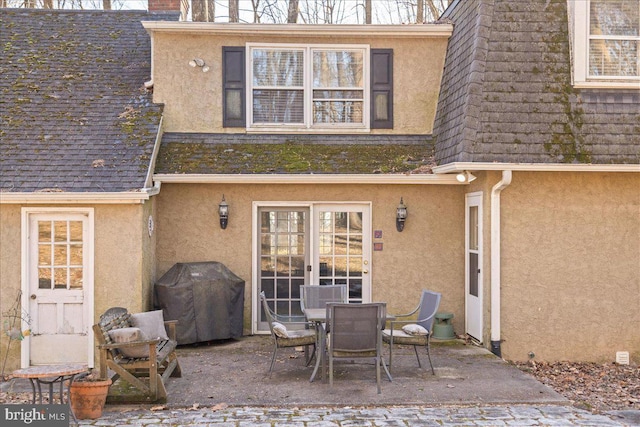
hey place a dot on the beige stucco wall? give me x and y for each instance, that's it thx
(571, 266)
(124, 261)
(427, 254)
(9, 278)
(193, 99)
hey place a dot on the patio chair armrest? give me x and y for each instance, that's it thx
(128, 344)
(407, 314)
(170, 326)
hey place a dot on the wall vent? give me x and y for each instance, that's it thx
(622, 357)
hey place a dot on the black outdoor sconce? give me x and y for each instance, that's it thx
(401, 215)
(223, 211)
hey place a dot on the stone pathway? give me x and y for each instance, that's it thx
(512, 415)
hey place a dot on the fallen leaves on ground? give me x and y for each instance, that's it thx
(592, 386)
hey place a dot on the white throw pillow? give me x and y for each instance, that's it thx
(414, 329)
(125, 335)
(280, 330)
(151, 323)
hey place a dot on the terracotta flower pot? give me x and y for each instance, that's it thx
(87, 398)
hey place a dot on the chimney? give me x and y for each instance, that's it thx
(164, 5)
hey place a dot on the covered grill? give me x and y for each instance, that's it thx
(206, 298)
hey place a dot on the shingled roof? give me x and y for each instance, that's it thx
(75, 116)
(201, 153)
(506, 94)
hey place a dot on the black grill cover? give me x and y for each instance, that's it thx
(206, 299)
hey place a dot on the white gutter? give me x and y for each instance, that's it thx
(58, 198)
(297, 30)
(148, 182)
(416, 179)
(535, 167)
(495, 260)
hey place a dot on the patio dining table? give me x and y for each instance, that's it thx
(318, 316)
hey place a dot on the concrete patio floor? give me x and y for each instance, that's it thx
(235, 373)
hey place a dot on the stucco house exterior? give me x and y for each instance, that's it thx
(516, 153)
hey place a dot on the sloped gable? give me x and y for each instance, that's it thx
(75, 115)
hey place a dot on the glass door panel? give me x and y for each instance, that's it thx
(283, 257)
(340, 252)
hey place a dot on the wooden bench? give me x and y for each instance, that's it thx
(160, 365)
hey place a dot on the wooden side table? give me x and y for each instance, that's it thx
(49, 375)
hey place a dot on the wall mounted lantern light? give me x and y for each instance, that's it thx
(223, 211)
(199, 62)
(465, 176)
(401, 215)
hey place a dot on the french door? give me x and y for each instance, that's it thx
(310, 244)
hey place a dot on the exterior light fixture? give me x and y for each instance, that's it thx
(199, 62)
(465, 176)
(223, 212)
(401, 215)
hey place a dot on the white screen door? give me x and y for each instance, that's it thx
(473, 264)
(58, 287)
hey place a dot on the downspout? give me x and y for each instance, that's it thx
(495, 261)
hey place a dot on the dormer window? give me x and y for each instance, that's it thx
(606, 43)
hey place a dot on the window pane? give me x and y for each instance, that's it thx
(75, 276)
(44, 278)
(337, 68)
(44, 255)
(44, 231)
(278, 67)
(614, 38)
(278, 106)
(615, 17)
(337, 112)
(613, 58)
(60, 231)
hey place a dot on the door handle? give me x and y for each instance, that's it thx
(365, 271)
(33, 296)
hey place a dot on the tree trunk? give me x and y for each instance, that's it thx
(203, 10)
(292, 16)
(47, 4)
(234, 11)
(420, 12)
(106, 4)
(367, 11)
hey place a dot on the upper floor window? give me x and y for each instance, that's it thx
(308, 87)
(607, 43)
(343, 88)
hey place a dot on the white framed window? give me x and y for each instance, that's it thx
(306, 87)
(606, 43)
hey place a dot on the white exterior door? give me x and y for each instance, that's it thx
(342, 244)
(473, 264)
(58, 286)
(309, 244)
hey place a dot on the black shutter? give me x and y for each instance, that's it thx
(382, 88)
(233, 87)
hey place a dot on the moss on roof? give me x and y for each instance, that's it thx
(293, 158)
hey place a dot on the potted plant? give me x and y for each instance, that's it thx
(88, 395)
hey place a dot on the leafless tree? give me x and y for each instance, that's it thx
(203, 10)
(294, 9)
(234, 11)
(65, 4)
